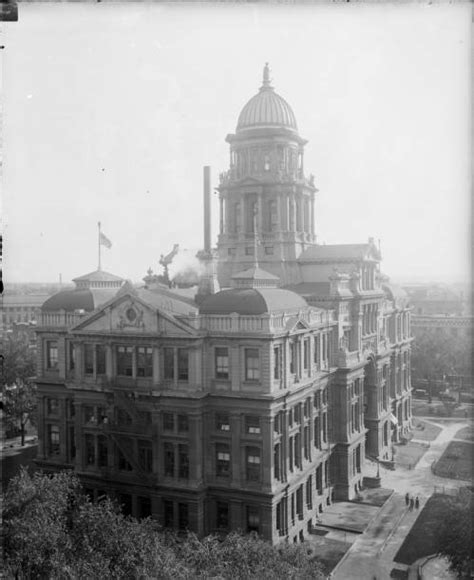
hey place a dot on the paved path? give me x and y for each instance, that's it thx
(371, 555)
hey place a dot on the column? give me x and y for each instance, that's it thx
(312, 215)
(109, 365)
(78, 366)
(195, 448)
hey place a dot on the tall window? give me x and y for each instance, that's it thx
(252, 425)
(222, 363)
(183, 516)
(123, 463)
(252, 364)
(102, 451)
(222, 460)
(145, 455)
(222, 422)
(144, 361)
(125, 361)
(72, 356)
(183, 423)
(52, 406)
(53, 439)
(51, 354)
(253, 463)
(183, 364)
(276, 460)
(168, 355)
(306, 355)
(168, 421)
(168, 513)
(89, 359)
(253, 519)
(100, 359)
(168, 458)
(89, 449)
(293, 355)
(317, 433)
(183, 461)
(276, 362)
(222, 515)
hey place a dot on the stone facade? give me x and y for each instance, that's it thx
(256, 407)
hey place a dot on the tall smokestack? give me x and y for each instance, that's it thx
(207, 208)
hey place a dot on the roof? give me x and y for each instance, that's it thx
(266, 109)
(98, 276)
(254, 273)
(339, 252)
(164, 299)
(87, 299)
(252, 301)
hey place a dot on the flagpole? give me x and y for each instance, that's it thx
(98, 224)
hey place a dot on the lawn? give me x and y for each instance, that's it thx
(421, 540)
(328, 551)
(466, 433)
(456, 461)
(408, 455)
(439, 409)
(425, 431)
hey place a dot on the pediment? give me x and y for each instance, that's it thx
(128, 314)
(294, 324)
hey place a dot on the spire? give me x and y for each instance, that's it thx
(266, 78)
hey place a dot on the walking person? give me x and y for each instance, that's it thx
(412, 503)
(407, 499)
(417, 503)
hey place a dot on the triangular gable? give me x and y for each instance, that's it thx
(129, 314)
(294, 324)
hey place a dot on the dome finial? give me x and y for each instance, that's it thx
(266, 76)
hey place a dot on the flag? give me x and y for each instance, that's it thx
(104, 241)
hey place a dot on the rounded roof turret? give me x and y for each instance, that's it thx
(267, 109)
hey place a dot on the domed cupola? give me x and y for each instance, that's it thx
(266, 109)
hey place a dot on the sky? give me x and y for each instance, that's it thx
(112, 110)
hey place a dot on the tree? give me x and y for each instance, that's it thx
(19, 365)
(52, 530)
(454, 535)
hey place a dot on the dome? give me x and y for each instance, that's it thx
(267, 109)
(252, 301)
(79, 299)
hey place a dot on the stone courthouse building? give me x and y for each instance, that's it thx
(253, 406)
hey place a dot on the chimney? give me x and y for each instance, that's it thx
(208, 283)
(207, 208)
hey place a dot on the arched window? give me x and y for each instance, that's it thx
(266, 163)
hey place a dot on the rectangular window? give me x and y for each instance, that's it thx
(290, 453)
(102, 451)
(144, 507)
(183, 423)
(53, 439)
(144, 361)
(253, 464)
(183, 364)
(276, 461)
(299, 502)
(89, 359)
(253, 519)
(168, 457)
(72, 444)
(72, 357)
(222, 422)
(168, 422)
(249, 251)
(252, 425)
(317, 433)
(293, 358)
(183, 516)
(168, 513)
(125, 361)
(298, 450)
(183, 461)
(222, 460)
(306, 443)
(89, 449)
(123, 464)
(269, 250)
(100, 359)
(309, 492)
(51, 354)
(222, 363)
(276, 362)
(222, 515)
(252, 364)
(317, 347)
(168, 356)
(145, 456)
(306, 355)
(52, 406)
(319, 479)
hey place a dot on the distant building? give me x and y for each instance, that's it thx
(252, 407)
